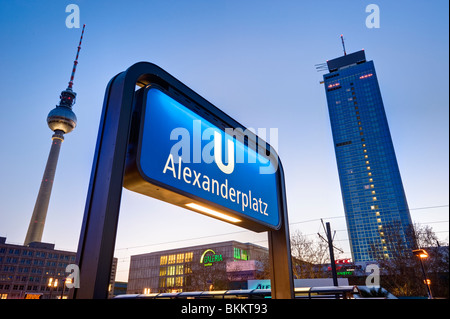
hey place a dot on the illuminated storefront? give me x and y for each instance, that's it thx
(204, 267)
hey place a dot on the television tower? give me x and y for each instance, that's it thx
(60, 120)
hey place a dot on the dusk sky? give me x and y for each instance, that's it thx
(255, 60)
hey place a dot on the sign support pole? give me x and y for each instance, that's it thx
(280, 260)
(98, 234)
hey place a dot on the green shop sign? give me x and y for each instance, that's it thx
(345, 273)
(209, 257)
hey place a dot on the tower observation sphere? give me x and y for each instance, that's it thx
(62, 117)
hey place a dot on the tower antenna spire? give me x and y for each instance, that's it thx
(343, 45)
(75, 63)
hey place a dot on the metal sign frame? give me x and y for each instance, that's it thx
(98, 233)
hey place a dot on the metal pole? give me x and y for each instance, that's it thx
(281, 275)
(63, 286)
(98, 233)
(333, 262)
(426, 279)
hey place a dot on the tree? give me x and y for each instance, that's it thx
(204, 278)
(400, 269)
(437, 264)
(307, 254)
(264, 270)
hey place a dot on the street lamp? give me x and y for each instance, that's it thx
(422, 254)
(51, 284)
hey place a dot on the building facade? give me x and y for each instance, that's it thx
(377, 214)
(36, 271)
(214, 266)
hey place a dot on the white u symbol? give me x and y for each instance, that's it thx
(229, 168)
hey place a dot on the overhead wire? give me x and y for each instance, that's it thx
(291, 223)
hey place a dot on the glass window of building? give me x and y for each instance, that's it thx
(188, 257)
(171, 270)
(170, 281)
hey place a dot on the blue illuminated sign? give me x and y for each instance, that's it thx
(187, 160)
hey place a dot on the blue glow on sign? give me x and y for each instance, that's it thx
(186, 152)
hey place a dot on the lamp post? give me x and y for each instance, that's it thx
(63, 286)
(52, 284)
(422, 254)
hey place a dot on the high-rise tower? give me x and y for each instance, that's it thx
(61, 120)
(378, 219)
